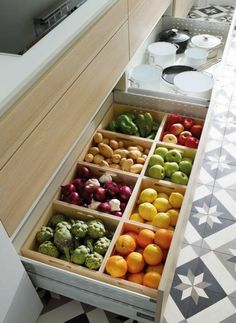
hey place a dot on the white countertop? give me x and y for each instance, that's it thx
(18, 72)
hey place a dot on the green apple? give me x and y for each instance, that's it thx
(161, 151)
(170, 168)
(173, 155)
(185, 166)
(179, 178)
(187, 159)
(156, 160)
(156, 171)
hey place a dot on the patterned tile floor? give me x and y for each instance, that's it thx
(204, 285)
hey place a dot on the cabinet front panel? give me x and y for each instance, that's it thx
(143, 20)
(31, 167)
(181, 8)
(132, 4)
(33, 106)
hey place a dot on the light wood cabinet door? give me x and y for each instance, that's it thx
(181, 7)
(35, 162)
(143, 20)
(18, 123)
(132, 4)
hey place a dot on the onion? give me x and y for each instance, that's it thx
(67, 189)
(104, 207)
(83, 172)
(73, 198)
(122, 206)
(78, 183)
(117, 213)
(112, 188)
(94, 182)
(125, 192)
(99, 194)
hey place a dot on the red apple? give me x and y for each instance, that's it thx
(188, 123)
(196, 130)
(183, 137)
(191, 142)
(163, 134)
(174, 118)
(170, 138)
(176, 128)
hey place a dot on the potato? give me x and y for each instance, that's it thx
(109, 161)
(136, 168)
(122, 152)
(120, 144)
(113, 144)
(104, 163)
(140, 160)
(106, 141)
(116, 158)
(116, 166)
(94, 150)
(146, 151)
(98, 137)
(140, 148)
(132, 148)
(97, 159)
(88, 158)
(105, 150)
(127, 164)
(134, 154)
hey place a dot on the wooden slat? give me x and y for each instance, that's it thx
(28, 171)
(143, 20)
(32, 107)
(181, 8)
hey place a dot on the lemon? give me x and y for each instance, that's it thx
(161, 220)
(136, 217)
(148, 195)
(166, 196)
(147, 211)
(162, 204)
(174, 215)
(176, 199)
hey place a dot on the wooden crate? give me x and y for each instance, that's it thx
(117, 109)
(128, 141)
(159, 186)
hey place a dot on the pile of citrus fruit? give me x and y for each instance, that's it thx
(139, 256)
(158, 209)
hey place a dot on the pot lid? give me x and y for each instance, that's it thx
(205, 41)
(146, 73)
(193, 82)
(170, 72)
(174, 35)
(162, 48)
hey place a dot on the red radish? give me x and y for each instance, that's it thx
(99, 194)
(67, 189)
(83, 172)
(104, 207)
(112, 188)
(125, 192)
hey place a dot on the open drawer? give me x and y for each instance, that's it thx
(96, 287)
(161, 87)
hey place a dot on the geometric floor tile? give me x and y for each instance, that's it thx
(172, 312)
(202, 198)
(213, 149)
(215, 224)
(207, 173)
(224, 201)
(226, 176)
(187, 254)
(214, 13)
(229, 151)
(194, 232)
(216, 130)
(230, 132)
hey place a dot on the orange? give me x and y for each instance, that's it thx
(163, 238)
(152, 279)
(125, 244)
(132, 234)
(161, 220)
(140, 250)
(116, 266)
(145, 237)
(135, 262)
(136, 278)
(152, 254)
(158, 268)
(174, 215)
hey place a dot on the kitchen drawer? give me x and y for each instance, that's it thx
(43, 151)
(98, 288)
(34, 105)
(194, 27)
(143, 20)
(181, 8)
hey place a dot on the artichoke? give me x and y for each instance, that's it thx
(79, 255)
(77, 242)
(96, 229)
(64, 241)
(101, 245)
(44, 234)
(93, 261)
(79, 229)
(62, 224)
(109, 234)
(48, 248)
(89, 243)
(56, 218)
(63, 257)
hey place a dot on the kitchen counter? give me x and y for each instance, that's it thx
(19, 72)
